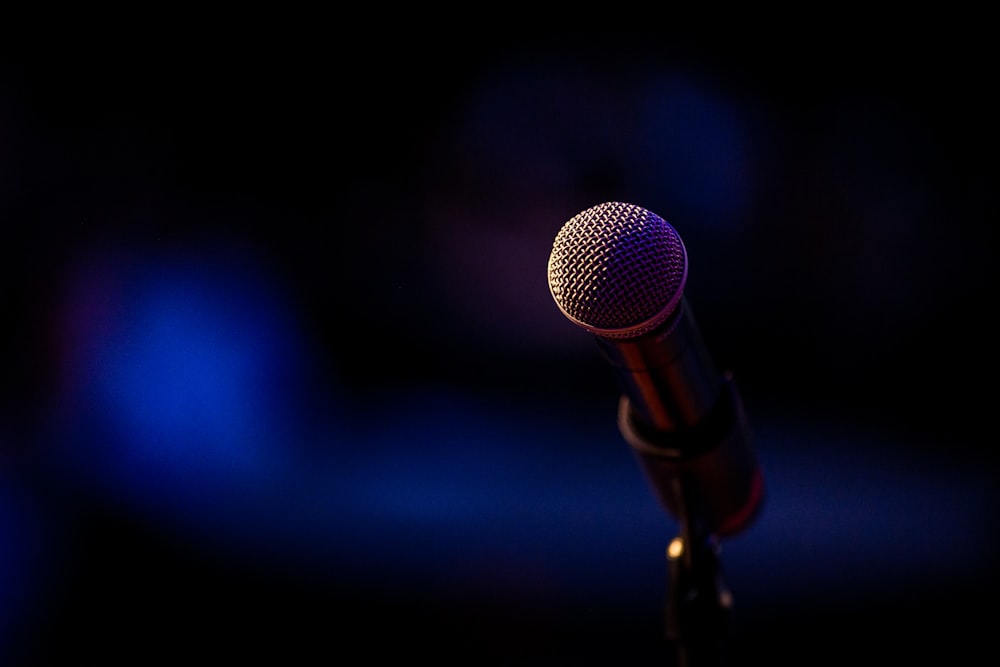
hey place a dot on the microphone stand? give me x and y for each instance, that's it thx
(698, 601)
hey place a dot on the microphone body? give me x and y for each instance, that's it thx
(618, 271)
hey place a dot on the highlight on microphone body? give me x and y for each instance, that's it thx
(618, 271)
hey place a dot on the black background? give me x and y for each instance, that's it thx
(850, 287)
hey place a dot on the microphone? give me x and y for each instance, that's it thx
(618, 271)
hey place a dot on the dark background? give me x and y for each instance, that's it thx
(282, 378)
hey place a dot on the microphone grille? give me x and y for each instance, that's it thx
(617, 270)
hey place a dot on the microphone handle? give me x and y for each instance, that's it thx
(668, 374)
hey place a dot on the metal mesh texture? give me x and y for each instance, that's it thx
(617, 270)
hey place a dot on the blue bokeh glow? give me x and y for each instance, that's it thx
(183, 411)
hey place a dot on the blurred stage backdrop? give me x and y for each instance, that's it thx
(282, 378)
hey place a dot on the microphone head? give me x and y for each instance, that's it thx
(617, 270)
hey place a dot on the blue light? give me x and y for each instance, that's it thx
(188, 367)
(187, 379)
(186, 408)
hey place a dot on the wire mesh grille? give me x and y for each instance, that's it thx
(617, 269)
